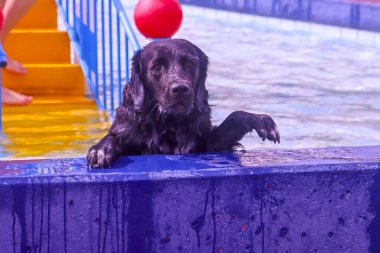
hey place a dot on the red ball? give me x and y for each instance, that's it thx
(158, 18)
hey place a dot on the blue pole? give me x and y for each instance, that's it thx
(88, 39)
(96, 50)
(82, 38)
(74, 17)
(126, 59)
(118, 59)
(111, 56)
(103, 57)
(67, 11)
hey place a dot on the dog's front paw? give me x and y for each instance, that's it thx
(100, 156)
(265, 127)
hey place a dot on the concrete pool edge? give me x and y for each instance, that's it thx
(349, 14)
(326, 199)
(167, 167)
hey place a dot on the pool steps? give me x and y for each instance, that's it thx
(43, 46)
(45, 52)
(61, 118)
(43, 15)
(48, 79)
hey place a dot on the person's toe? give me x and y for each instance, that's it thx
(14, 98)
(15, 67)
(28, 100)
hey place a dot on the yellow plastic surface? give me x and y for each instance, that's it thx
(42, 15)
(51, 127)
(47, 79)
(38, 46)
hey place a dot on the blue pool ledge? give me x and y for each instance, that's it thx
(310, 200)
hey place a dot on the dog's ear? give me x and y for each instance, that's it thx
(133, 94)
(201, 99)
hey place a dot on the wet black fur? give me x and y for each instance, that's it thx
(153, 119)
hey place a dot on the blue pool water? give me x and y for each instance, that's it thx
(321, 90)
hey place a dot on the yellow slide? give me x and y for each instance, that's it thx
(61, 121)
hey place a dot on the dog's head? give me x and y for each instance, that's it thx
(169, 75)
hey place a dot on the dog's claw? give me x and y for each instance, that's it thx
(265, 127)
(99, 156)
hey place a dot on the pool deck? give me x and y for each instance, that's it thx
(327, 200)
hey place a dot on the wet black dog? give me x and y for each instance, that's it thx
(165, 109)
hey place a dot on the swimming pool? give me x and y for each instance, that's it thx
(324, 200)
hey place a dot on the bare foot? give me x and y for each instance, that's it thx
(11, 97)
(15, 67)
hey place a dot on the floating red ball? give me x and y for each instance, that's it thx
(158, 18)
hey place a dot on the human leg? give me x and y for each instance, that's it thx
(13, 10)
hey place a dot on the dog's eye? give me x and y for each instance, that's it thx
(157, 67)
(189, 65)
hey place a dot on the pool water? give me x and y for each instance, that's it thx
(53, 129)
(320, 90)
(321, 84)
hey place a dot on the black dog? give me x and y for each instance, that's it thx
(165, 109)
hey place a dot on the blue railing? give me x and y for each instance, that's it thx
(104, 40)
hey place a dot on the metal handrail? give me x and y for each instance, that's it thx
(127, 26)
(102, 36)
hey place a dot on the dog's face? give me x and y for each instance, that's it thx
(172, 74)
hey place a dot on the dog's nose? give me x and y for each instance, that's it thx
(179, 88)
